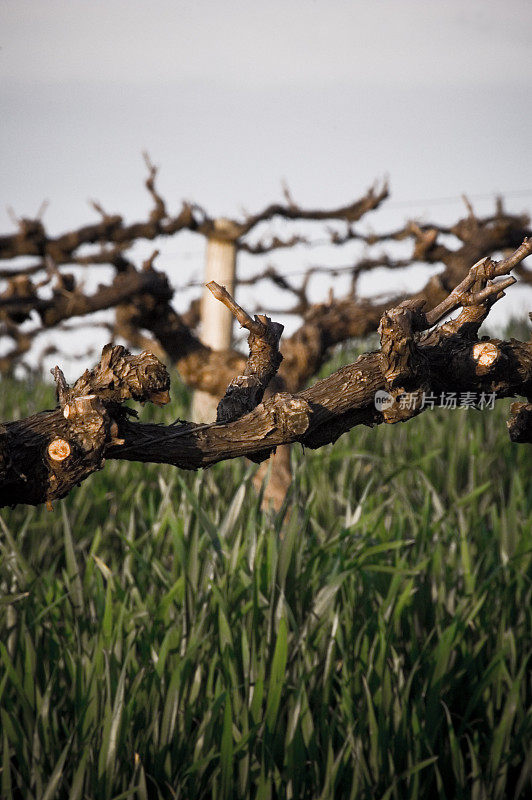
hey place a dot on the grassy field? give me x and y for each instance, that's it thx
(161, 637)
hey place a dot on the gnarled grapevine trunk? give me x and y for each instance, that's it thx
(44, 456)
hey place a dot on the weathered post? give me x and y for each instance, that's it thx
(216, 320)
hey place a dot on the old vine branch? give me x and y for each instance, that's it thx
(144, 299)
(44, 456)
(32, 238)
(246, 391)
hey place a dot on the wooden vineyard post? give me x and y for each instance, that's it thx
(216, 319)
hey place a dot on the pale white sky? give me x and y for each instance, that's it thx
(232, 97)
(274, 44)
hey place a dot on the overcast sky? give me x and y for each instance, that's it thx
(267, 44)
(229, 98)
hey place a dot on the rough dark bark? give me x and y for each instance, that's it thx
(46, 455)
(246, 391)
(327, 324)
(32, 239)
(147, 295)
(143, 298)
(520, 423)
(69, 301)
(42, 457)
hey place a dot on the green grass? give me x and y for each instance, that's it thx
(162, 637)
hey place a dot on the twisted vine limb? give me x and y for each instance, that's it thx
(43, 456)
